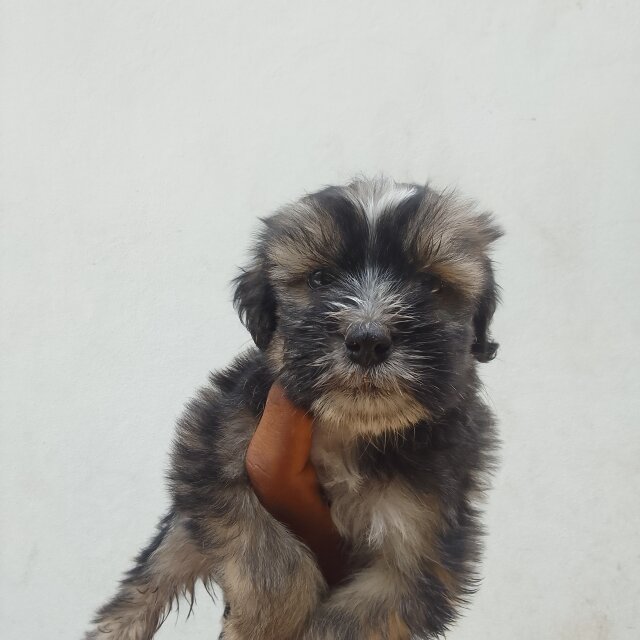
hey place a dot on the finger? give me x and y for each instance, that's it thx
(283, 435)
(288, 413)
(286, 422)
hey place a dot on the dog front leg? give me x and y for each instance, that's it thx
(382, 603)
(169, 567)
(271, 581)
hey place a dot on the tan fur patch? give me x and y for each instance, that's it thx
(354, 413)
(396, 629)
(464, 274)
(275, 352)
(450, 237)
(310, 243)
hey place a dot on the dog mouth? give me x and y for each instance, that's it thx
(376, 380)
(371, 380)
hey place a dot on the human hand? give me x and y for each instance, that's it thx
(286, 483)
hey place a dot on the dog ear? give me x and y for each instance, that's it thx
(483, 348)
(255, 301)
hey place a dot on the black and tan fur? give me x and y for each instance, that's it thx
(402, 448)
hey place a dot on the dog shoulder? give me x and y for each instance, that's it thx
(216, 426)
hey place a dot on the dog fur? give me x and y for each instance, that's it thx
(403, 449)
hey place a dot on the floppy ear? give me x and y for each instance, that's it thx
(483, 348)
(255, 301)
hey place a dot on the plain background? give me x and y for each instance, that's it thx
(140, 142)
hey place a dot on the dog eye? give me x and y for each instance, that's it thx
(320, 278)
(435, 284)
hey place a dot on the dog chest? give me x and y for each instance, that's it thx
(366, 510)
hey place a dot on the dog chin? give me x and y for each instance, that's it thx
(366, 411)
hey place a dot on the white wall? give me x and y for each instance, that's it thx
(140, 141)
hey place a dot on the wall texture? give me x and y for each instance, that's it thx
(139, 142)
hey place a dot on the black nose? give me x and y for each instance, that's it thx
(368, 344)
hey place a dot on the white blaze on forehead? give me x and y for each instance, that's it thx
(313, 236)
(374, 197)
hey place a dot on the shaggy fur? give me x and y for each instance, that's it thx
(402, 446)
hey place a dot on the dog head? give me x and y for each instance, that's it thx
(372, 301)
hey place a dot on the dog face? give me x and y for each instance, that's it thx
(372, 302)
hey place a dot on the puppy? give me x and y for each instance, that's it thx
(371, 304)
